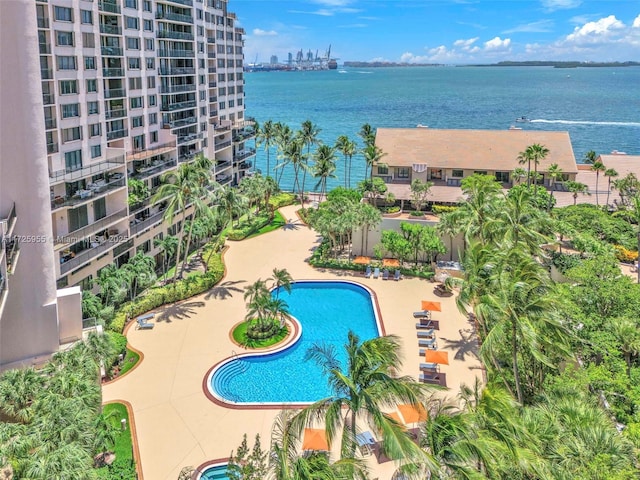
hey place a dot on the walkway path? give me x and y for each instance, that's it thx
(178, 426)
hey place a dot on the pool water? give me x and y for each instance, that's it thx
(215, 473)
(326, 312)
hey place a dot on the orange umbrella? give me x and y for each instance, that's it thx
(362, 260)
(390, 262)
(394, 416)
(432, 306)
(436, 356)
(315, 439)
(413, 413)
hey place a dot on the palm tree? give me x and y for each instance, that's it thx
(555, 174)
(372, 156)
(590, 157)
(283, 137)
(628, 337)
(256, 289)
(281, 278)
(230, 202)
(324, 168)
(348, 148)
(266, 136)
(363, 389)
(576, 188)
(167, 246)
(366, 217)
(309, 136)
(609, 173)
(367, 134)
(139, 273)
(179, 189)
(18, 389)
(598, 167)
(533, 153)
(519, 173)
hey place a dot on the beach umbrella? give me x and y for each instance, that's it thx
(431, 306)
(394, 416)
(315, 439)
(413, 413)
(436, 356)
(362, 260)
(390, 262)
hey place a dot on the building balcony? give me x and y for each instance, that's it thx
(142, 154)
(107, 6)
(182, 122)
(137, 226)
(245, 165)
(176, 53)
(110, 29)
(213, 84)
(7, 222)
(94, 190)
(211, 40)
(45, 48)
(115, 134)
(177, 88)
(88, 230)
(97, 248)
(239, 156)
(222, 165)
(176, 17)
(154, 168)
(72, 175)
(113, 72)
(115, 93)
(192, 137)
(174, 34)
(46, 74)
(111, 114)
(213, 99)
(222, 145)
(43, 22)
(243, 135)
(178, 106)
(11, 251)
(50, 123)
(224, 178)
(177, 71)
(52, 147)
(213, 114)
(212, 70)
(111, 51)
(211, 54)
(188, 3)
(48, 99)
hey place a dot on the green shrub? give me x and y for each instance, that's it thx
(282, 200)
(624, 255)
(248, 226)
(565, 261)
(416, 214)
(438, 209)
(392, 209)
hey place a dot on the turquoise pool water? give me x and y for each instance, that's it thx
(215, 473)
(326, 312)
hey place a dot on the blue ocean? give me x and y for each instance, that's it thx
(599, 107)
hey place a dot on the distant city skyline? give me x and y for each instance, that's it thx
(442, 31)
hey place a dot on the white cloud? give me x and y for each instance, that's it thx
(258, 32)
(465, 43)
(497, 43)
(553, 5)
(541, 26)
(592, 30)
(636, 22)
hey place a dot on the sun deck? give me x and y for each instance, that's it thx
(178, 425)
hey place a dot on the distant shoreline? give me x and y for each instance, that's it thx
(554, 64)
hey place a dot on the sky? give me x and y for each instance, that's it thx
(442, 31)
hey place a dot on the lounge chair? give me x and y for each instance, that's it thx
(431, 367)
(376, 272)
(426, 333)
(426, 324)
(434, 378)
(422, 314)
(422, 351)
(397, 276)
(424, 342)
(143, 324)
(385, 274)
(367, 272)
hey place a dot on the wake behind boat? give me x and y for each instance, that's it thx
(522, 119)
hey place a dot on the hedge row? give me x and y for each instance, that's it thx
(282, 200)
(194, 284)
(316, 261)
(245, 229)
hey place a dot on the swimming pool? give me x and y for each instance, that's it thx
(216, 472)
(326, 312)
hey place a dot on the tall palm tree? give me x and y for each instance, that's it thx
(309, 136)
(179, 189)
(348, 148)
(366, 217)
(575, 188)
(609, 173)
(367, 134)
(281, 278)
(598, 167)
(372, 156)
(256, 289)
(590, 157)
(230, 202)
(533, 154)
(167, 246)
(324, 167)
(283, 137)
(265, 136)
(628, 336)
(555, 174)
(367, 385)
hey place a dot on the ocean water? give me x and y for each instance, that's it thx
(599, 107)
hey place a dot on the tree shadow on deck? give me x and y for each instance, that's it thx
(292, 224)
(178, 311)
(466, 345)
(224, 290)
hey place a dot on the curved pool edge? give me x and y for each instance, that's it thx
(223, 402)
(202, 468)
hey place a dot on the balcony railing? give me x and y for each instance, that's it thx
(43, 22)
(174, 34)
(110, 29)
(154, 168)
(113, 72)
(190, 138)
(182, 122)
(245, 165)
(45, 48)
(176, 53)
(177, 71)
(52, 147)
(211, 40)
(178, 106)
(46, 73)
(89, 254)
(148, 222)
(222, 145)
(48, 98)
(7, 223)
(213, 84)
(222, 165)
(211, 54)
(107, 6)
(111, 51)
(12, 247)
(115, 93)
(177, 88)
(81, 233)
(188, 3)
(250, 152)
(115, 134)
(174, 16)
(50, 123)
(141, 154)
(111, 114)
(213, 99)
(243, 136)
(96, 190)
(71, 174)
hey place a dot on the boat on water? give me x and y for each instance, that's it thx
(513, 127)
(522, 119)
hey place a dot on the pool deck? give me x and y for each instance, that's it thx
(178, 425)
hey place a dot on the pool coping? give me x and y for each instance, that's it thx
(206, 381)
(218, 462)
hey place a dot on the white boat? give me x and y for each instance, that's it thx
(513, 127)
(422, 126)
(522, 119)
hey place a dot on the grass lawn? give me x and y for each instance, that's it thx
(277, 222)
(130, 360)
(123, 447)
(240, 336)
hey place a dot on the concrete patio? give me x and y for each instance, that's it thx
(178, 425)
